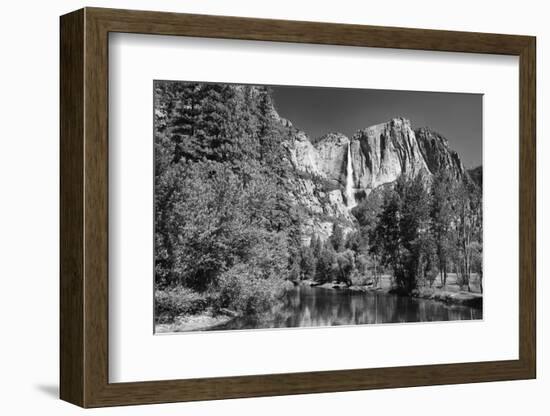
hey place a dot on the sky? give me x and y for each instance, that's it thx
(317, 111)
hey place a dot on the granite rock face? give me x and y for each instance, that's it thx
(332, 156)
(336, 170)
(437, 154)
(302, 154)
(384, 152)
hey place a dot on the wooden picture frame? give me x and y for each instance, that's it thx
(84, 207)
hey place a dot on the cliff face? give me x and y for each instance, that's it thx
(377, 155)
(317, 193)
(437, 154)
(302, 154)
(384, 152)
(336, 170)
(476, 175)
(331, 152)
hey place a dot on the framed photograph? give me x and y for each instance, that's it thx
(263, 207)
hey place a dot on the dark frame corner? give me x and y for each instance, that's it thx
(84, 207)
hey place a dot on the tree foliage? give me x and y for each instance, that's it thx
(421, 227)
(220, 198)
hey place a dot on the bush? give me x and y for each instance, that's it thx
(326, 269)
(359, 279)
(242, 290)
(345, 262)
(431, 274)
(171, 302)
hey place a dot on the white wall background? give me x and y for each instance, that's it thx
(29, 206)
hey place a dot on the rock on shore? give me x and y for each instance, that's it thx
(474, 300)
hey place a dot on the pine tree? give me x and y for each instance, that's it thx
(325, 270)
(337, 238)
(220, 184)
(402, 237)
(385, 238)
(307, 263)
(414, 223)
(442, 195)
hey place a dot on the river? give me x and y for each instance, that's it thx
(306, 306)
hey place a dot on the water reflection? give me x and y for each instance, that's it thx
(307, 306)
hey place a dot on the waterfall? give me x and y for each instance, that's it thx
(350, 197)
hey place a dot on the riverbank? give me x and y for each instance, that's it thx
(294, 314)
(464, 298)
(344, 286)
(198, 322)
(451, 294)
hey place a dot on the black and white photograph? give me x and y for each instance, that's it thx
(249, 208)
(297, 206)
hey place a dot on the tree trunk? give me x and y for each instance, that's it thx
(481, 283)
(376, 277)
(441, 271)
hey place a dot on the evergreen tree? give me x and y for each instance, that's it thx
(337, 238)
(385, 237)
(316, 246)
(442, 195)
(401, 237)
(324, 271)
(468, 228)
(219, 180)
(414, 223)
(345, 262)
(307, 263)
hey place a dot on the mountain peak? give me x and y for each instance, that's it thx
(396, 123)
(400, 121)
(432, 134)
(334, 138)
(437, 153)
